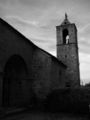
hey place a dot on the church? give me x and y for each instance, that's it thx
(27, 71)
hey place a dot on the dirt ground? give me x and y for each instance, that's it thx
(45, 116)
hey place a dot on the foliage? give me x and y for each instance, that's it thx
(69, 100)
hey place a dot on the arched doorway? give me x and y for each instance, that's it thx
(15, 75)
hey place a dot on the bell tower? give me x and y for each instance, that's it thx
(67, 51)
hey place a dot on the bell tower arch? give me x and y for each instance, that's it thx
(67, 50)
(65, 36)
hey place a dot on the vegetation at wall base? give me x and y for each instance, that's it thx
(75, 100)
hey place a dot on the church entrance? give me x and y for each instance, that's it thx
(15, 75)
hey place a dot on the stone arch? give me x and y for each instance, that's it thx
(65, 36)
(15, 75)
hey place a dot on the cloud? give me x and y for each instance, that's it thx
(84, 38)
(20, 20)
(36, 19)
(42, 37)
(84, 67)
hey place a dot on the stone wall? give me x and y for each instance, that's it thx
(69, 56)
(47, 73)
(68, 52)
(44, 72)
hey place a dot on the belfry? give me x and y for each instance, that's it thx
(67, 51)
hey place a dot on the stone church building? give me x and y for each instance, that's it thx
(27, 71)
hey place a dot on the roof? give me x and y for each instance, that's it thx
(66, 21)
(29, 41)
(53, 57)
(16, 31)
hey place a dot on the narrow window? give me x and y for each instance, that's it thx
(67, 84)
(65, 36)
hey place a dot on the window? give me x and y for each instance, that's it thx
(65, 36)
(67, 84)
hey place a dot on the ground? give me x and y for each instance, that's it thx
(44, 116)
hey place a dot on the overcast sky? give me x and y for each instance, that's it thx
(36, 19)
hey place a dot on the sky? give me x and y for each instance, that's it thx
(37, 20)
